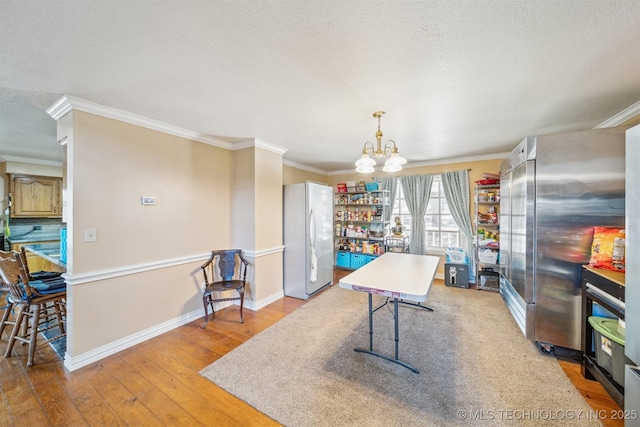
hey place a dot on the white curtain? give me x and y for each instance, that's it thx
(456, 190)
(416, 194)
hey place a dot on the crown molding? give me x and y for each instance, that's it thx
(60, 108)
(30, 160)
(495, 156)
(303, 167)
(67, 103)
(624, 115)
(255, 142)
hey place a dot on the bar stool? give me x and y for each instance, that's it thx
(41, 306)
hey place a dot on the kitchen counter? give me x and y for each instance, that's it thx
(36, 236)
(48, 251)
(615, 276)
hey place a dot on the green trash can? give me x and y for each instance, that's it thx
(609, 345)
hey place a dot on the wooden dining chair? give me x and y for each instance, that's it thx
(39, 275)
(4, 289)
(226, 270)
(8, 308)
(40, 306)
(6, 320)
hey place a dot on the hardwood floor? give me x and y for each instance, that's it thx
(157, 382)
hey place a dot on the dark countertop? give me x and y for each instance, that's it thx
(48, 251)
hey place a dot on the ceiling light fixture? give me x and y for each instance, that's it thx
(370, 152)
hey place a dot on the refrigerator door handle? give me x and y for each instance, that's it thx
(312, 228)
(313, 273)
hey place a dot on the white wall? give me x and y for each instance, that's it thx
(142, 273)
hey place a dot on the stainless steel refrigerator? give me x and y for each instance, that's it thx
(632, 279)
(308, 238)
(553, 190)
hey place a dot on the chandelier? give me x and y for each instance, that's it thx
(370, 152)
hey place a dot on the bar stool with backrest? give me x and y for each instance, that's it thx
(50, 277)
(42, 279)
(40, 307)
(8, 308)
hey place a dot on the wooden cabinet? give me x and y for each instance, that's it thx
(37, 263)
(36, 196)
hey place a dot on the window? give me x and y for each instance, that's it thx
(441, 229)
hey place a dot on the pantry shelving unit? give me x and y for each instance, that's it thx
(487, 241)
(359, 226)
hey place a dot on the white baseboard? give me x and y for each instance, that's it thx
(76, 362)
(257, 305)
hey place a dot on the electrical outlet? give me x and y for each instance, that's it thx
(37, 227)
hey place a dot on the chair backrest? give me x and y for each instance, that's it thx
(226, 264)
(13, 275)
(4, 287)
(39, 275)
(25, 264)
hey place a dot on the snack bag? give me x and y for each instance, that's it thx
(607, 249)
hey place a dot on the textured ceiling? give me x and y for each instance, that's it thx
(456, 78)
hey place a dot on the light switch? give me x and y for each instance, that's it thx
(90, 235)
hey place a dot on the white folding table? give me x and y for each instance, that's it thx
(403, 277)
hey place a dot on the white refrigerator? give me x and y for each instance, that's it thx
(632, 281)
(308, 238)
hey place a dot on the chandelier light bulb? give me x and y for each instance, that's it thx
(395, 159)
(365, 160)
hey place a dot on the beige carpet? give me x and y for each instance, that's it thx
(475, 367)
